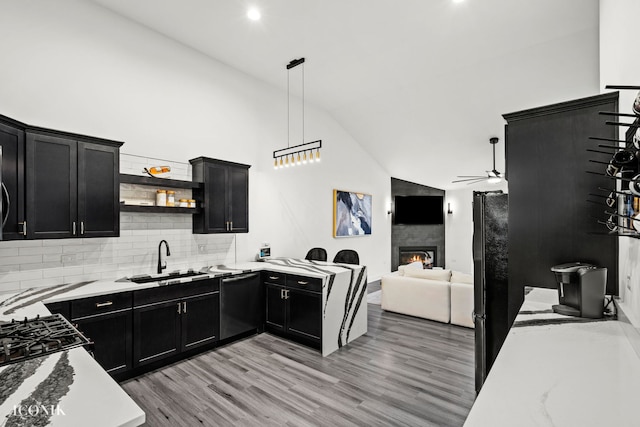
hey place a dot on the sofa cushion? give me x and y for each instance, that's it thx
(457, 277)
(417, 265)
(442, 275)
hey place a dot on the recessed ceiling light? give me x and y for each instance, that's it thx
(254, 14)
(458, 1)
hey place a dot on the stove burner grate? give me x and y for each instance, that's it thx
(29, 338)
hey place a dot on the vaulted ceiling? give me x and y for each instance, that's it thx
(420, 84)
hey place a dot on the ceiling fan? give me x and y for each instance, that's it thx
(492, 176)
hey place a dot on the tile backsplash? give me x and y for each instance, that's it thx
(33, 263)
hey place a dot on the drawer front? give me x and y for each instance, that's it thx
(100, 304)
(272, 277)
(175, 291)
(302, 282)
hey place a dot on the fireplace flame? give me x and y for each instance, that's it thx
(415, 258)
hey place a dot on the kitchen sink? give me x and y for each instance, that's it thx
(162, 277)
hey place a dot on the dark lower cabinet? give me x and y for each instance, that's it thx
(173, 319)
(304, 314)
(294, 313)
(200, 321)
(156, 331)
(112, 338)
(275, 308)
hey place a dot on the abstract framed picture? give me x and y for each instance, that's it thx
(351, 214)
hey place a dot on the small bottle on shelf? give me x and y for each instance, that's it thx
(171, 198)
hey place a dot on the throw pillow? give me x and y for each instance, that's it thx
(442, 275)
(457, 277)
(414, 265)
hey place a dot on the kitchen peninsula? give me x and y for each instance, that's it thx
(79, 380)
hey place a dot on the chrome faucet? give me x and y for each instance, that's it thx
(160, 266)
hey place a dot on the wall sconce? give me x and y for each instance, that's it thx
(449, 211)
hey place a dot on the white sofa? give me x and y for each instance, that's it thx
(440, 295)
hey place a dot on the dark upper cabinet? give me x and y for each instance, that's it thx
(98, 190)
(72, 186)
(12, 143)
(225, 196)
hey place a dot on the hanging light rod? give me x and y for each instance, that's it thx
(307, 152)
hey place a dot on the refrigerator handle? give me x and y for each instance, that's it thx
(5, 194)
(478, 316)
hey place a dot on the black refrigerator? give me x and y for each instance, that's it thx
(491, 293)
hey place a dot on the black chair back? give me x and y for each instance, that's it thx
(347, 256)
(316, 254)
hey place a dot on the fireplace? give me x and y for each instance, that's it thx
(424, 254)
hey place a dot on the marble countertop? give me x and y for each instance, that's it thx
(556, 370)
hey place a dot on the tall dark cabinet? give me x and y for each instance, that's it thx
(12, 143)
(550, 220)
(225, 196)
(72, 186)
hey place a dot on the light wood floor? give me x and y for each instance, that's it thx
(404, 372)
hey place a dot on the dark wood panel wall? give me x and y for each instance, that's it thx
(550, 220)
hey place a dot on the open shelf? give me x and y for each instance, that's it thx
(160, 182)
(158, 209)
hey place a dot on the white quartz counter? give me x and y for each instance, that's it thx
(556, 370)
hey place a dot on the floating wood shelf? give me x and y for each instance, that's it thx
(159, 182)
(158, 209)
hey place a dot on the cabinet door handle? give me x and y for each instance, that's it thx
(104, 304)
(5, 193)
(24, 227)
(81, 227)
(231, 226)
(274, 277)
(281, 293)
(184, 307)
(179, 307)
(73, 227)
(301, 282)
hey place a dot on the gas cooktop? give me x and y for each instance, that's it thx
(29, 338)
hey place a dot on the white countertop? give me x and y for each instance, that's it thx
(560, 373)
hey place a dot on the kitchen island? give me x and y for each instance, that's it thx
(556, 370)
(82, 393)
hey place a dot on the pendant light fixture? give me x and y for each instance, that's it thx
(297, 153)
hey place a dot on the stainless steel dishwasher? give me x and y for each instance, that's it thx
(241, 305)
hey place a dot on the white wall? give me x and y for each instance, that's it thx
(459, 226)
(620, 65)
(77, 67)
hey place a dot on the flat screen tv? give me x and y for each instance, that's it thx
(418, 210)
